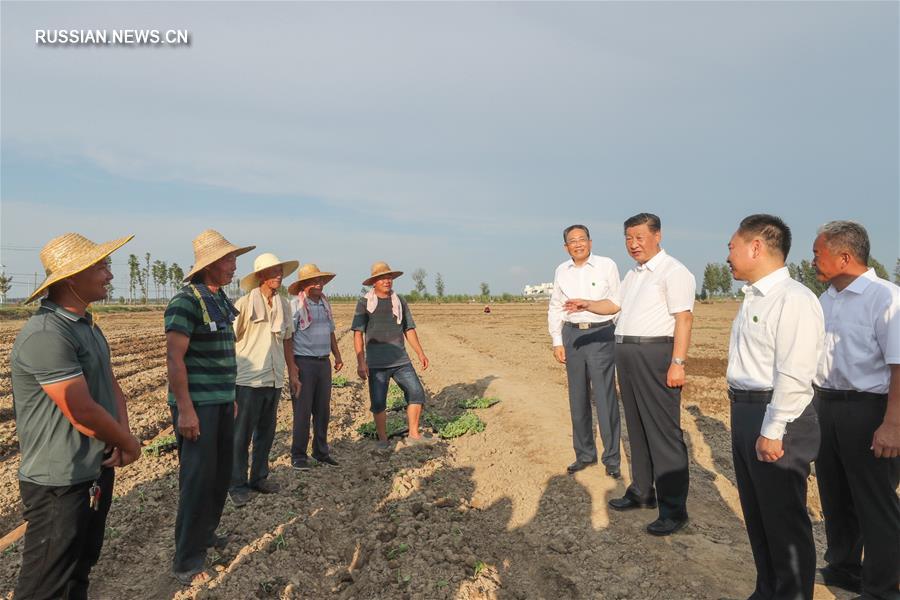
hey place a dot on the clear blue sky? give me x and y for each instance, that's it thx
(457, 137)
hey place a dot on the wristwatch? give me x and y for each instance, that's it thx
(679, 361)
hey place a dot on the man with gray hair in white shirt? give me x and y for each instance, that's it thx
(585, 343)
(858, 402)
(773, 355)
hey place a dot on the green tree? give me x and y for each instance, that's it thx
(485, 290)
(439, 285)
(879, 268)
(5, 285)
(897, 272)
(145, 278)
(725, 281)
(134, 275)
(160, 271)
(418, 276)
(711, 278)
(176, 274)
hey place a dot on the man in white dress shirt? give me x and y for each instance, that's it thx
(775, 348)
(653, 333)
(585, 343)
(858, 403)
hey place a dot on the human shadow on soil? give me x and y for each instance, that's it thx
(718, 438)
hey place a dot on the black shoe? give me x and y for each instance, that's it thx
(327, 460)
(613, 472)
(578, 466)
(300, 464)
(839, 578)
(626, 502)
(666, 526)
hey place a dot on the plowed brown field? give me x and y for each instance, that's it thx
(491, 515)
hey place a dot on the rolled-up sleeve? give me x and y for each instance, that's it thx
(798, 349)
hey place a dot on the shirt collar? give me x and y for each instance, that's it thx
(858, 285)
(53, 306)
(765, 285)
(590, 261)
(653, 262)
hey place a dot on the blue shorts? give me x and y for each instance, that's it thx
(406, 378)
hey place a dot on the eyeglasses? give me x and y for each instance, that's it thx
(575, 242)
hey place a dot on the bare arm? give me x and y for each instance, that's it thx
(886, 441)
(338, 361)
(176, 347)
(683, 322)
(293, 372)
(413, 338)
(598, 307)
(359, 344)
(73, 398)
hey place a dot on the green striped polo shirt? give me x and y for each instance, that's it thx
(210, 360)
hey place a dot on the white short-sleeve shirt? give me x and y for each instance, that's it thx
(651, 295)
(862, 335)
(596, 279)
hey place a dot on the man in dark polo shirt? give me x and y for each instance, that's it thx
(202, 369)
(381, 322)
(71, 422)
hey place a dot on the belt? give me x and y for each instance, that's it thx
(312, 357)
(761, 396)
(587, 325)
(643, 339)
(827, 394)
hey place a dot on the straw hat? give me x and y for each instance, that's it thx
(70, 254)
(209, 247)
(380, 269)
(267, 261)
(307, 272)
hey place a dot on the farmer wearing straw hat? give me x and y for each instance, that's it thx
(202, 368)
(263, 331)
(71, 421)
(313, 341)
(380, 323)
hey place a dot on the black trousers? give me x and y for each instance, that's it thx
(204, 472)
(653, 417)
(773, 499)
(591, 371)
(255, 422)
(63, 538)
(859, 492)
(315, 401)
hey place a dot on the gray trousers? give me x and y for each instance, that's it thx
(255, 421)
(653, 417)
(314, 401)
(204, 469)
(590, 368)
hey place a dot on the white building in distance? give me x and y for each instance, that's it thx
(541, 290)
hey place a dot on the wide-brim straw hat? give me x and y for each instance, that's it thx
(307, 272)
(267, 261)
(209, 247)
(70, 254)
(380, 269)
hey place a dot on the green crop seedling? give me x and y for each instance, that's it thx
(478, 402)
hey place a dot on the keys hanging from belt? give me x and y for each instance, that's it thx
(94, 493)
